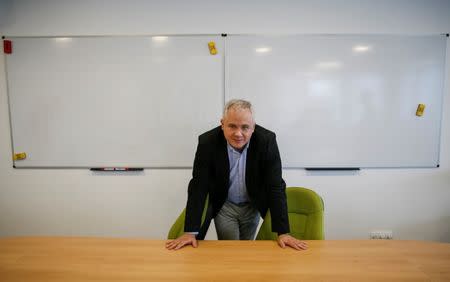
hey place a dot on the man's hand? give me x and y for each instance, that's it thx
(287, 240)
(183, 240)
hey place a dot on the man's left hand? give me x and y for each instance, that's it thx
(287, 240)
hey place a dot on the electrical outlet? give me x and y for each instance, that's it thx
(381, 234)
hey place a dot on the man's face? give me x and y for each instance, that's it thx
(238, 127)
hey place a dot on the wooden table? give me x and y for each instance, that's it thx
(109, 259)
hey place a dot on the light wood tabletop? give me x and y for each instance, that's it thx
(111, 259)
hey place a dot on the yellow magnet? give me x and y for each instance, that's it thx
(212, 48)
(20, 156)
(420, 110)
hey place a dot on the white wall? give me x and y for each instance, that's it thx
(411, 202)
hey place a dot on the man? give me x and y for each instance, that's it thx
(238, 165)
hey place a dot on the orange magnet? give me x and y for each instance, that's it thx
(420, 110)
(212, 48)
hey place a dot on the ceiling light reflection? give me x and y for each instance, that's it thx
(361, 48)
(159, 38)
(263, 50)
(63, 39)
(330, 65)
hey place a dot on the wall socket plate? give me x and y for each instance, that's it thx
(381, 234)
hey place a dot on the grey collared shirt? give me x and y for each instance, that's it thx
(237, 192)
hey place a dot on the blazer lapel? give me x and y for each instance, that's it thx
(250, 163)
(222, 161)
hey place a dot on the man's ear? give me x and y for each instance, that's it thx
(221, 123)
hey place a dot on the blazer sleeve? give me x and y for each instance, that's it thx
(198, 188)
(276, 188)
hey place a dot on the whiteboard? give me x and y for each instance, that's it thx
(113, 101)
(343, 100)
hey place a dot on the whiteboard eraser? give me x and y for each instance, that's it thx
(420, 110)
(7, 46)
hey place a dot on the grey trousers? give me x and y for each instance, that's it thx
(236, 222)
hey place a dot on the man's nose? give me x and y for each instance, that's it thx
(238, 132)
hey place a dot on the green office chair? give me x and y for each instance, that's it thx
(305, 211)
(177, 228)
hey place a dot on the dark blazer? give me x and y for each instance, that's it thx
(265, 187)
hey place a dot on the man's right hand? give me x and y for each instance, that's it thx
(183, 240)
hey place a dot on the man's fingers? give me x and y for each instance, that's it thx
(180, 244)
(298, 245)
(175, 245)
(172, 244)
(281, 243)
(303, 245)
(183, 240)
(293, 244)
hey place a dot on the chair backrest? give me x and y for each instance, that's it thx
(305, 211)
(177, 228)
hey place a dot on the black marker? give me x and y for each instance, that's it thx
(117, 168)
(332, 168)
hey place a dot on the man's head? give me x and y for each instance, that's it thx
(238, 123)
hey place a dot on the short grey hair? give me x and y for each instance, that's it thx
(238, 104)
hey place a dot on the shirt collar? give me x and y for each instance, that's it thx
(231, 149)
